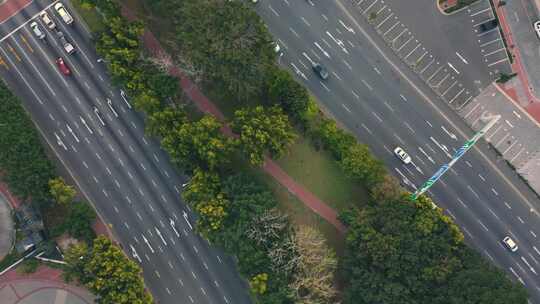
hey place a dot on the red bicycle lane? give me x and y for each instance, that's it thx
(11, 7)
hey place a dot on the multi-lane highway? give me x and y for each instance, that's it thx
(93, 130)
(385, 104)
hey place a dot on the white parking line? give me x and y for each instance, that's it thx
(490, 42)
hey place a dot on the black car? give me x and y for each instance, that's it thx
(489, 25)
(320, 70)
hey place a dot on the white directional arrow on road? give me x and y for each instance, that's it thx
(185, 215)
(72, 133)
(86, 124)
(160, 235)
(452, 135)
(322, 50)
(348, 28)
(60, 142)
(338, 42)
(148, 244)
(124, 97)
(173, 226)
(134, 253)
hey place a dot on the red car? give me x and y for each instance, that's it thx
(63, 66)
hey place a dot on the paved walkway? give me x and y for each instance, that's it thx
(7, 232)
(525, 96)
(45, 286)
(206, 106)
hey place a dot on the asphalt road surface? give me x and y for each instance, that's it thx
(376, 96)
(100, 140)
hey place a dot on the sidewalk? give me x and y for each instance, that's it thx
(206, 106)
(525, 94)
(45, 286)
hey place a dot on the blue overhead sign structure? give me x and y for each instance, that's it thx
(459, 153)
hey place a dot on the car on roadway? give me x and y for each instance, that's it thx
(537, 28)
(64, 14)
(47, 20)
(320, 70)
(62, 66)
(402, 155)
(37, 30)
(68, 47)
(510, 244)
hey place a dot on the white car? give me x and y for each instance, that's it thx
(47, 20)
(537, 28)
(402, 155)
(68, 47)
(36, 29)
(510, 244)
(61, 10)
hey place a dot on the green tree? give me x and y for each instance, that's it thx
(23, 162)
(61, 192)
(262, 129)
(258, 283)
(107, 272)
(204, 194)
(227, 41)
(388, 189)
(360, 164)
(80, 220)
(198, 144)
(292, 96)
(403, 251)
(163, 123)
(333, 138)
(147, 102)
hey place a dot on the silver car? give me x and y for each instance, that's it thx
(36, 29)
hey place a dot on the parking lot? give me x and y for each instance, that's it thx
(490, 42)
(451, 72)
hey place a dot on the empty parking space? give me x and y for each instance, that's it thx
(442, 77)
(489, 38)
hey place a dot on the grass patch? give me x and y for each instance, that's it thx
(90, 16)
(298, 213)
(321, 174)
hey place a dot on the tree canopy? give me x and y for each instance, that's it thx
(226, 40)
(403, 251)
(262, 129)
(107, 272)
(23, 162)
(61, 192)
(198, 144)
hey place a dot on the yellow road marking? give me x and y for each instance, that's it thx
(26, 42)
(13, 51)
